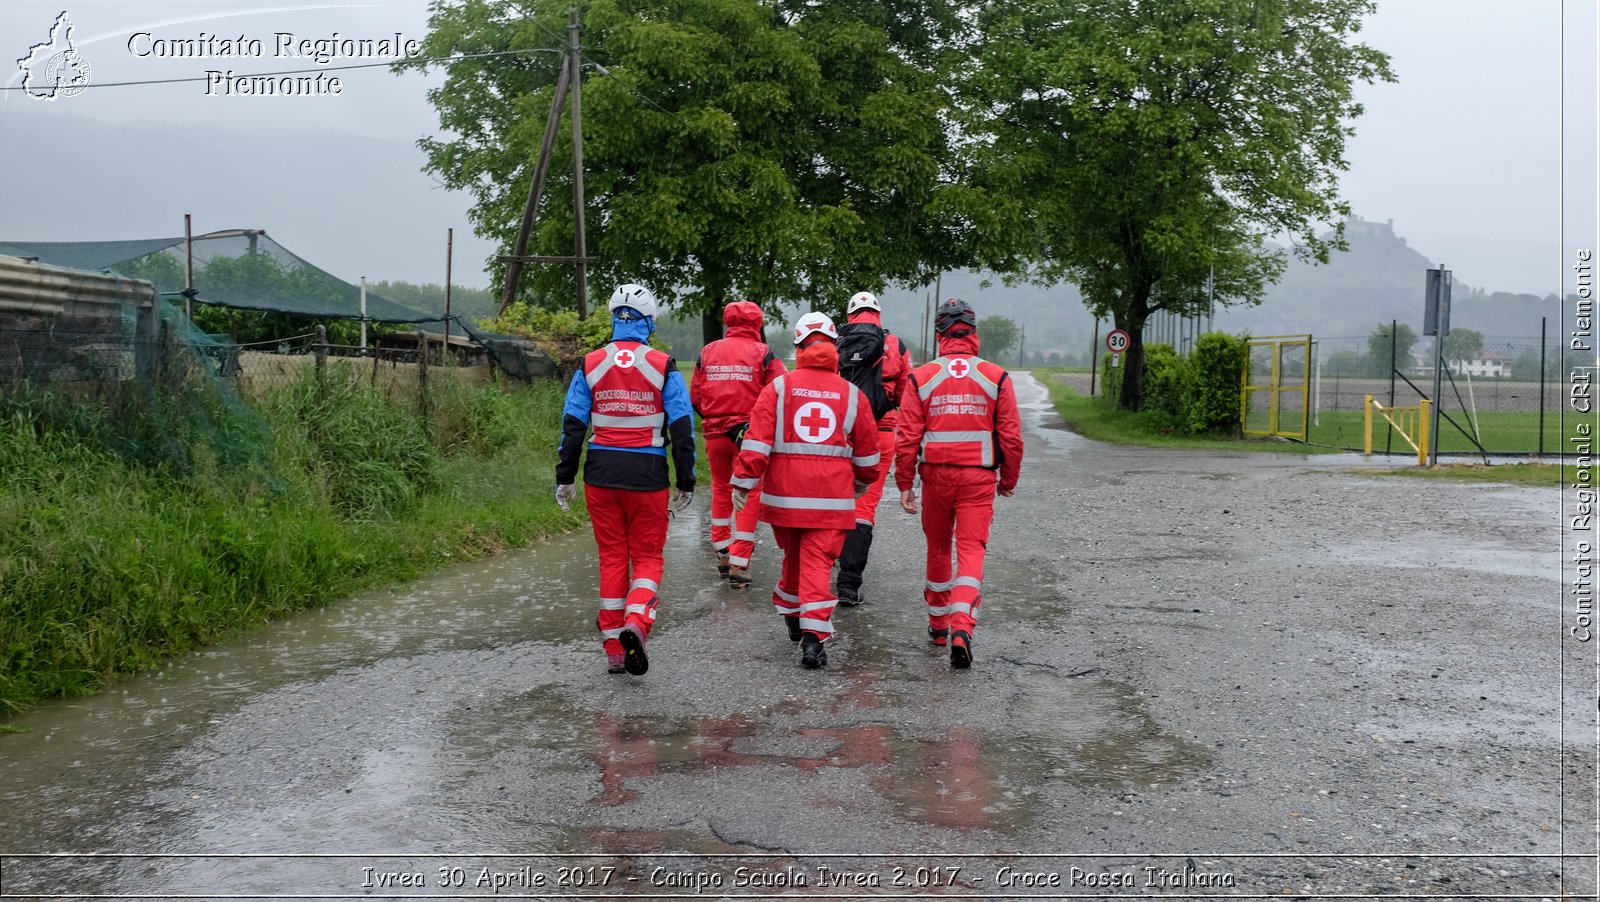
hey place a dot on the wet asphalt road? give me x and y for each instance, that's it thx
(1195, 674)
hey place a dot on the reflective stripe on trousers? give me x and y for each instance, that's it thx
(630, 530)
(803, 589)
(732, 532)
(958, 515)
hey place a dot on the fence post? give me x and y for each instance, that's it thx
(1543, 324)
(1422, 431)
(422, 378)
(1366, 445)
(319, 351)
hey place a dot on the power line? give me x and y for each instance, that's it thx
(625, 86)
(398, 62)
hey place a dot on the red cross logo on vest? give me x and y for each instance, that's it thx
(624, 358)
(814, 422)
(959, 368)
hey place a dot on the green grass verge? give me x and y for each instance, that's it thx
(1514, 474)
(1091, 418)
(115, 554)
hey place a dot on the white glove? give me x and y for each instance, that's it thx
(740, 499)
(565, 494)
(680, 500)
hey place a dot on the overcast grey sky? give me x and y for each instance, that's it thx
(1464, 153)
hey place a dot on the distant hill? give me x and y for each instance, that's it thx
(1379, 279)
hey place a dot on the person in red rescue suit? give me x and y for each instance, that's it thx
(813, 446)
(959, 418)
(634, 397)
(727, 378)
(893, 367)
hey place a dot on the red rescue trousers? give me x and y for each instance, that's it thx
(803, 590)
(964, 513)
(733, 534)
(630, 529)
(867, 504)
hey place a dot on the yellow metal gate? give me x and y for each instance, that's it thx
(1277, 382)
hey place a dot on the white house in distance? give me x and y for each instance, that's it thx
(1487, 362)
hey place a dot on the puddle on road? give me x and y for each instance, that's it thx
(1098, 734)
(1449, 554)
(1093, 734)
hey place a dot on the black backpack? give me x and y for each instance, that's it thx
(861, 348)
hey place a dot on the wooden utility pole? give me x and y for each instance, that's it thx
(580, 246)
(520, 250)
(570, 81)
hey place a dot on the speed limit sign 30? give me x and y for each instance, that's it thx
(1117, 341)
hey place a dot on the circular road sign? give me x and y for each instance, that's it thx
(1117, 341)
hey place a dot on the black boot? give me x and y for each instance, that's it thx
(960, 649)
(812, 654)
(793, 623)
(852, 561)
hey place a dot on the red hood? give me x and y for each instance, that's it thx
(867, 315)
(821, 355)
(966, 344)
(742, 319)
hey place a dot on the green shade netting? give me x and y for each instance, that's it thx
(239, 268)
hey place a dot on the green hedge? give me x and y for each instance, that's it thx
(1195, 395)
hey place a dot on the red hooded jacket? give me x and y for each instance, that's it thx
(732, 370)
(970, 409)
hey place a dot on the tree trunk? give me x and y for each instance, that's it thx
(1132, 394)
(711, 324)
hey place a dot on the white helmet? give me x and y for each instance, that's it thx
(636, 296)
(863, 300)
(814, 322)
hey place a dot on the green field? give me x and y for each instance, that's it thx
(1500, 432)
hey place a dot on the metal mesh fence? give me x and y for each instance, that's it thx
(1504, 397)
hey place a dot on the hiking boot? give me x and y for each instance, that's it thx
(793, 623)
(633, 656)
(812, 654)
(722, 566)
(849, 596)
(938, 637)
(614, 661)
(739, 577)
(960, 650)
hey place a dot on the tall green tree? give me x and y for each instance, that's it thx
(999, 336)
(1463, 344)
(1148, 149)
(772, 151)
(1390, 342)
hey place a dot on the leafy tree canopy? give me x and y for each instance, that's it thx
(1147, 150)
(1463, 344)
(773, 151)
(1390, 342)
(998, 335)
